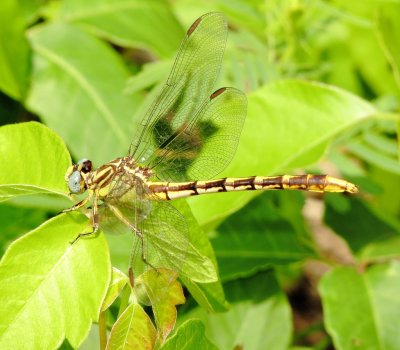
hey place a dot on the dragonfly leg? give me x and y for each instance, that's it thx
(95, 224)
(144, 255)
(77, 205)
(84, 235)
(135, 230)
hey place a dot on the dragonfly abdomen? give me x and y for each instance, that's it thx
(315, 183)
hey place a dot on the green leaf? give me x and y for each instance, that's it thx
(381, 143)
(258, 236)
(14, 50)
(398, 142)
(164, 293)
(43, 277)
(97, 114)
(210, 296)
(374, 156)
(258, 319)
(34, 160)
(118, 282)
(388, 201)
(15, 221)
(388, 28)
(289, 125)
(361, 309)
(133, 330)
(362, 42)
(190, 336)
(91, 341)
(132, 23)
(31, 10)
(369, 234)
(151, 74)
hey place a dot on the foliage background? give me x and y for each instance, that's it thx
(322, 79)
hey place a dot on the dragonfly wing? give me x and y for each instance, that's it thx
(191, 81)
(206, 146)
(160, 231)
(126, 204)
(166, 245)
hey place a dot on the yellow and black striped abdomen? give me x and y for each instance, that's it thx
(315, 183)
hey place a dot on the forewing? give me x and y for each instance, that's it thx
(190, 83)
(206, 146)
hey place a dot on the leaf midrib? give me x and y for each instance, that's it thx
(85, 86)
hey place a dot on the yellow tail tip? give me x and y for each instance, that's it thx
(351, 188)
(334, 184)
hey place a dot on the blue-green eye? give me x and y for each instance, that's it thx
(74, 182)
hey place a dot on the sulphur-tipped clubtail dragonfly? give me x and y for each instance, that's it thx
(186, 138)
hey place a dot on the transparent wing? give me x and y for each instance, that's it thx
(205, 146)
(125, 206)
(160, 230)
(164, 240)
(190, 83)
(166, 245)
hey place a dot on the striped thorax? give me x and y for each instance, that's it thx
(81, 176)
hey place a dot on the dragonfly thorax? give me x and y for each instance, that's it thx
(81, 176)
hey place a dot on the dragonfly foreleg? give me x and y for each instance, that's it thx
(95, 222)
(77, 205)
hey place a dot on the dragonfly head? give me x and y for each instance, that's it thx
(76, 175)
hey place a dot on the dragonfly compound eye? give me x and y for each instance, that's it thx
(74, 182)
(84, 165)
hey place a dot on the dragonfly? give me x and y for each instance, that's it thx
(186, 138)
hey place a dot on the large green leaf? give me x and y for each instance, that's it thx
(189, 336)
(50, 289)
(14, 50)
(289, 125)
(34, 160)
(81, 100)
(132, 23)
(361, 309)
(258, 319)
